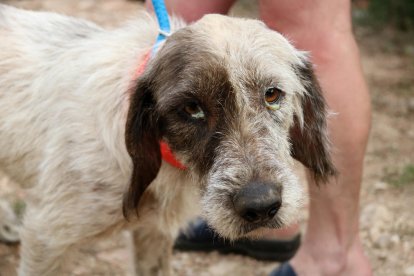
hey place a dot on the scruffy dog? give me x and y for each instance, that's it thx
(233, 99)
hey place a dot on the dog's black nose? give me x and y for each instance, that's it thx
(258, 202)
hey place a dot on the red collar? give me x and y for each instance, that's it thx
(166, 152)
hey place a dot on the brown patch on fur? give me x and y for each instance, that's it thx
(183, 71)
(310, 144)
(141, 138)
(200, 139)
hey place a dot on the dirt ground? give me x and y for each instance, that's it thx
(387, 203)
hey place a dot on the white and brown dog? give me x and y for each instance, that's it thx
(233, 99)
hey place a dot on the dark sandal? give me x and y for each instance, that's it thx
(200, 237)
(284, 269)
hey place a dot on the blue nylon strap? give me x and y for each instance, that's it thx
(163, 21)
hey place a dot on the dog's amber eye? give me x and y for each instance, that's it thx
(273, 95)
(194, 110)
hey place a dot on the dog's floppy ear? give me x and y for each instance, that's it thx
(142, 135)
(310, 143)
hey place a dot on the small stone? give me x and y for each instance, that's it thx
(382, 255)
(395, 239)
(407, 246)
(409, 270)
(410, 105)
(375, 216)
(383, 241)
(380, 186)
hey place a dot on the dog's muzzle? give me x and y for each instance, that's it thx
(258, 202)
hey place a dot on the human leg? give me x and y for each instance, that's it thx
(331, 245)
(194, 10)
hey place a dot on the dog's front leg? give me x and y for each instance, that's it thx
(168, 204)
(41, 254)
(53, 229)
(152, 252)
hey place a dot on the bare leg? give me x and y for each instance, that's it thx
(331, 245)
(194, 10)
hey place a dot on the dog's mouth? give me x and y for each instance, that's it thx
(248, 228)
(239, 228)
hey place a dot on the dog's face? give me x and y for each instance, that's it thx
(236, 103)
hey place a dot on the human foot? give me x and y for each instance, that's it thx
(323, 260)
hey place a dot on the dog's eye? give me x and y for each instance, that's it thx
(194, 110)
(272, 96)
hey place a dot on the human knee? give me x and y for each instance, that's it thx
(330, 14)
(194, 10)
(310, 24)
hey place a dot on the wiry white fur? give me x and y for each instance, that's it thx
(64, 87)
(64, 98)
(265, 55)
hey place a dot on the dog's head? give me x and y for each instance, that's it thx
(236, 103)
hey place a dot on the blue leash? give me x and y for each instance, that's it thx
(163, 22)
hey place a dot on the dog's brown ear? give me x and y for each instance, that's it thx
(142, 135)
(310, 143)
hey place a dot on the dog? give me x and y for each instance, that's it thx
(235, 102)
